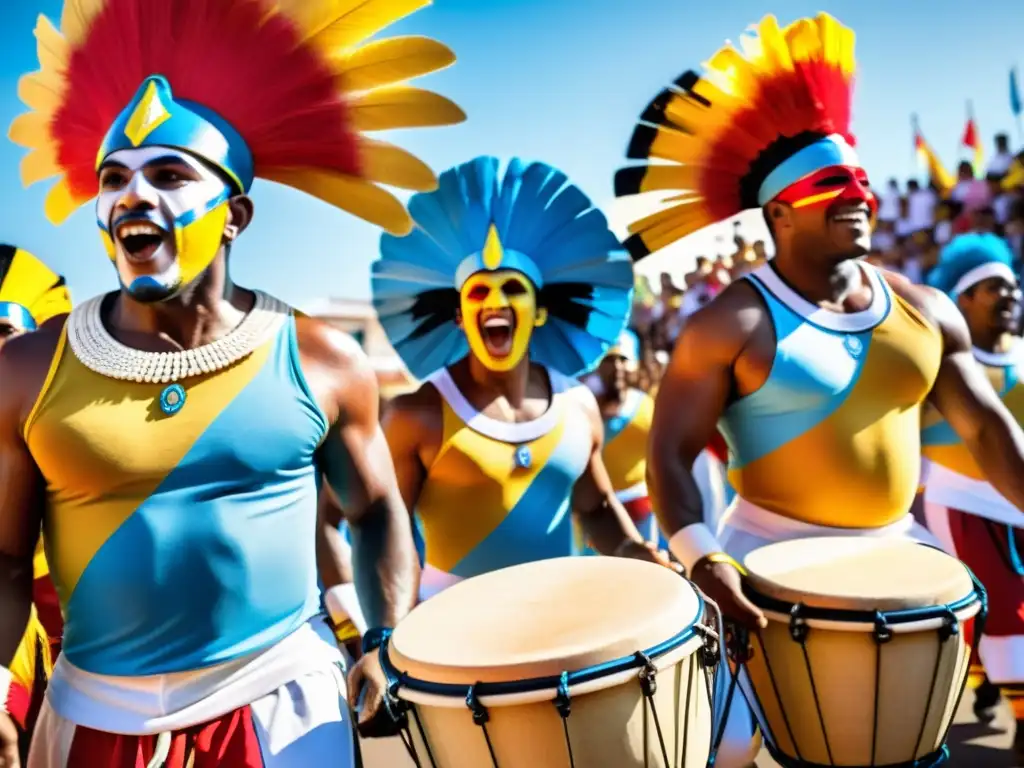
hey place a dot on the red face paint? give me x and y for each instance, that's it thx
(837, 183)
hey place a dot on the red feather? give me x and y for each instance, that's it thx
(814, 97)
(278, 93)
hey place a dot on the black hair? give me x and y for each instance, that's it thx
(770, 158)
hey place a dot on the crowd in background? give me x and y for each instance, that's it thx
(914, 222)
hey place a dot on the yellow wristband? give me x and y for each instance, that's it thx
(721, 557)
(345, 632)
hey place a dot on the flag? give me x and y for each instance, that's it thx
(1015, 104)
(937, 173)
(972, 141)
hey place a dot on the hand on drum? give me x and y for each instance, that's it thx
(642, 550)
(723, 583)
(367, 685)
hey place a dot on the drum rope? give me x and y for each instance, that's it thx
(976, 633)
(799, 631)
(649, 686)
(480, 717)
(563, 703)
(950, 628)
(883, 634)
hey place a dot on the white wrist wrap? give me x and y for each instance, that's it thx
(5, 687)
(690, 544)
(342, 604)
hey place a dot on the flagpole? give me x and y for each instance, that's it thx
(915, 132)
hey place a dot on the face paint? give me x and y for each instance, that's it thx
(499, 313)
(161, 214)
(826, 186)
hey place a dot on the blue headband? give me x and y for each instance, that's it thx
(20, 317)
(826, 152)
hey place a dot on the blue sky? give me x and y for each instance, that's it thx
(562, 81)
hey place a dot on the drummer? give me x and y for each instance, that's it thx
(971, 518)
(30, 294)
(626, 412)
(816, 365)
(508, 288)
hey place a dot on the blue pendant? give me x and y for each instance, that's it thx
(172, 399)
(853, 345)
(523, 457)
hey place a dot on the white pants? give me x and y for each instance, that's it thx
(744, 528)
(303, 723)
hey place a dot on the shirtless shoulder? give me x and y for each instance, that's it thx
(24, 364)
(727, 325)
(414, 419)
(337, 371)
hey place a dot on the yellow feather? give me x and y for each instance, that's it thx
(39, 164)
(50, 46)
(670, 177)
(30, 129)
(402, 106)
(394, 60)
(60, 203)
(77, 17)
(387, 164)
(360, 198)
(338, 24)
(27, 280)
(42, 91)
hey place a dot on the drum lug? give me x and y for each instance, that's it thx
(648, 674)
(882, 631)
(950, 626)
(798, 628)
(480, 714)
(563, 703)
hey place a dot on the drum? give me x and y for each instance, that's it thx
(586, 662)
(865, 656)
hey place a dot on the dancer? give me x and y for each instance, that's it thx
(508, 287)
(816, 365)
(972, 519)
(168, 437)
(31, 294)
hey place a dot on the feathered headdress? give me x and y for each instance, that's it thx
(544, 227)
(968, 259)
(276, 89)
(758, 119)
(30, 292)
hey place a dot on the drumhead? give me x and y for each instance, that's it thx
(858, 573)
(541, 619)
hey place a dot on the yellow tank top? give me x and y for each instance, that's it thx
(833, 436)
(499, 494)
(625, 441)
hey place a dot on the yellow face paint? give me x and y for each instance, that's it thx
(499, 313)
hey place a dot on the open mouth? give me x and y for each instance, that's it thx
(140, 240)
(854, 218)
(497, 332)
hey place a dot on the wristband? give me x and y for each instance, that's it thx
(5, 687)
(375, 638)
(722, 557)
(342, 604)
(691, 543)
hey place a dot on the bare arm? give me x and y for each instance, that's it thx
(333, 553)
(407, 427)
(606, 524)
(693, 394)
(21, 492)
(965, 398)
(356, 463)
